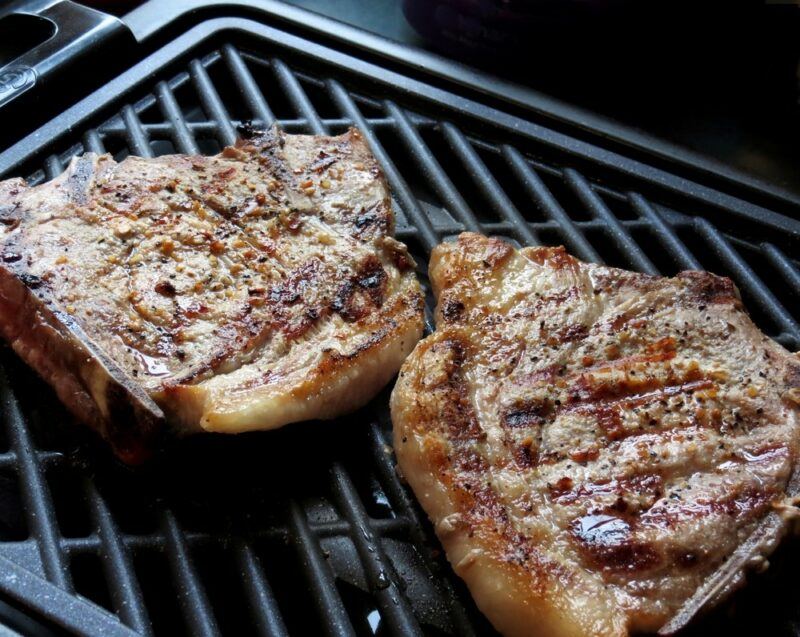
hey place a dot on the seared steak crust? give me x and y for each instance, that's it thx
(600, 451)
(241, 291)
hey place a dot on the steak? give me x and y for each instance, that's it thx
(601, 451)
(243, 291)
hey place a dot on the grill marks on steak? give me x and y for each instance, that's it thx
(593, 445)
(221, 285)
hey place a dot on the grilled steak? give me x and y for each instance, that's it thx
(600, 451)
(242, 291)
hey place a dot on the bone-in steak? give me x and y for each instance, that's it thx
(247, 290)
(600, 451)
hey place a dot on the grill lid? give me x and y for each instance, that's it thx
(308, 530)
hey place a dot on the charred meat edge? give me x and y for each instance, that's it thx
(92, 386)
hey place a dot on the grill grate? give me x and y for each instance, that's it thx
(308, 530)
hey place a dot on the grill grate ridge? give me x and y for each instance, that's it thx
(126, 595)
(39, 506)
(615, 229)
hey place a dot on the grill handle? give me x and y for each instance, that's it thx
(76, 30)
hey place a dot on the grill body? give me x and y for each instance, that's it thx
(308, 530)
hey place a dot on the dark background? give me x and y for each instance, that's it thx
(720, 78)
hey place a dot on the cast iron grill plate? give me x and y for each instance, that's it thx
(308, 530)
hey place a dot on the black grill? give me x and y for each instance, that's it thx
(308, 530)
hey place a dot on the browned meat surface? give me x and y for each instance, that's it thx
(243, 291)
(600, 451)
